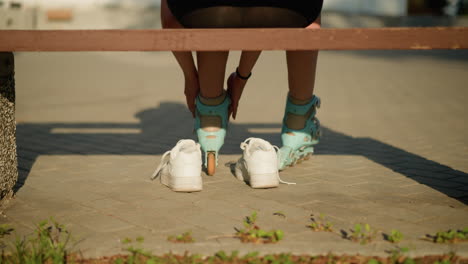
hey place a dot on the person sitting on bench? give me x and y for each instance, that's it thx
(206, 98)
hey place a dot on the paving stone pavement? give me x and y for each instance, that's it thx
(92, 128)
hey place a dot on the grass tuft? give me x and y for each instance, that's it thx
(450, 236)
(362, 233)
(319, 224)
(252, 233)
(48, 244)
(185, 237)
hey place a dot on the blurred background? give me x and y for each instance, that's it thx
(144, 14)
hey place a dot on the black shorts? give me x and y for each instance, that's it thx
(245, 13)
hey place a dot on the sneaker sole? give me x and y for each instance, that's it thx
(187, 189)
(185, 184)
(257, 181)
(263, 181)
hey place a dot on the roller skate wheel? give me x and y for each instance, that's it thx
(293, 163)
(211, 163)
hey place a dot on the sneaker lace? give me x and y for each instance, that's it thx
(278, 158)
(161, 165)
(244, 145)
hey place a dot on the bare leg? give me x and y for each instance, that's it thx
(300, 108)
(301, 73)
(213, 108)
(211, 71)
(302, 66)
(247, 62)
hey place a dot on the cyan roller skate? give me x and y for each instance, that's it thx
(210, 124)
(298, 143)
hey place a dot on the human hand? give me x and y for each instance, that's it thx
(191, 91)
(235, 87)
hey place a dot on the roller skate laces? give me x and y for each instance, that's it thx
(298, 143)
(180, 168)
(258, 165)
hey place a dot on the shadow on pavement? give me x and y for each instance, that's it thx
(160, 128)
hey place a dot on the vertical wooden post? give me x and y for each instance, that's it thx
(8, 158)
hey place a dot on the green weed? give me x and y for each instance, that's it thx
(49, 244)
(185, 237)
(319, 224)
(177, 259)
(373, 261)
(137, 255)
(362, 233)
(5, 230)
(444, 261)
(447, 259)
(394, 237)
(397, 256)
(450, 236)
(251, 233)
(223, 257)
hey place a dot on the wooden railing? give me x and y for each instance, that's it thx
(235, 39)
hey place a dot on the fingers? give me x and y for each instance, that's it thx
(190, 97)
(191, 91)
(235, 88)
(234, 111)
(191, 107)
(231, 92)
(190, 100)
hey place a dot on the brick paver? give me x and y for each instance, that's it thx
(93, 126)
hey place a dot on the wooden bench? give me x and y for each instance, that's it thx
(234, 39)
(193, 40)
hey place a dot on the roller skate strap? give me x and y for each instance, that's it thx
(213, 109)
(302, 109)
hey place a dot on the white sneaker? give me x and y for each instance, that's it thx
(182, 172)
(258, 165)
